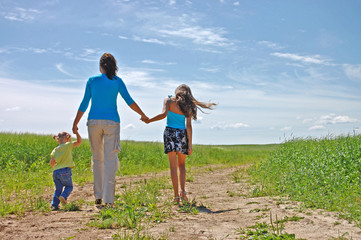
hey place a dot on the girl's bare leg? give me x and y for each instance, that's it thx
(182, 171)
(173, 172)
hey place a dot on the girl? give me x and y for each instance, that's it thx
(179, 111)
(62, 162)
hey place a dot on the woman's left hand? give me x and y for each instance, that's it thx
(75, 129)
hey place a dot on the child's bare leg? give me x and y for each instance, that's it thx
(173, 172)
(182, 171)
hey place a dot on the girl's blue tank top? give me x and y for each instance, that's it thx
(175, 120)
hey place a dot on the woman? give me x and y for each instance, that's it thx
(104, 125)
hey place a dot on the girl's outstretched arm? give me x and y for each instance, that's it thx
(78, 140)
(161, 115)
(189, 134)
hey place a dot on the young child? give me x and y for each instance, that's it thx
(179, 111)
(62, 162)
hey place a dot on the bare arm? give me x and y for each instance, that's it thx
(189, 134)
(134, 106)
(162, 115)
(79, 115)
(52, 162)
(78, 140)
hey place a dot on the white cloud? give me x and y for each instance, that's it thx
(13, 109)
(138, 78)
(334, 119)
(22, 14)
(270, 45)
(172, 2)
(123, 37)
(59, 66)
(352, 71)
(199, 35)
(223, 125)
(128, 126)
(307, 120)
(316, 59)
(147, 61)
(86, 54)
(317, 127)
(287, 128)
(212, 70)
(150, 40)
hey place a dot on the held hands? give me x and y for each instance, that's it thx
(145, 119)
(75, 129)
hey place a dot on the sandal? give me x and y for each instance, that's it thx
(184, 196)
(176, 200)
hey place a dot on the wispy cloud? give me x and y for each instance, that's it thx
(150, 40)
(335, 119)
(271, 45)
(10, 50)
(59, 66)
(223, 125)
(13, 109)
(128, 126)
(330, 119)
(353, 71)
(86, 54)
(147, 61)
(212, 70)
(315, 59)
(123, 37)
(286, 128)
(22, 15)
(199, 35)
(316, 127)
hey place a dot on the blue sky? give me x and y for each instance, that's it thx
(277, 69)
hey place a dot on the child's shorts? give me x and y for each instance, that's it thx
(175, 140)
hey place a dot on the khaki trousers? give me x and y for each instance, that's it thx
(104, 138)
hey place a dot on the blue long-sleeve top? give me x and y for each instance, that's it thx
(103, 93)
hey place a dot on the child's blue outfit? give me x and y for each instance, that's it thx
(62, 172)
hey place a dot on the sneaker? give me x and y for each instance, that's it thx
(62, 200)
(108, 205)
(98, 201)
(53, 208)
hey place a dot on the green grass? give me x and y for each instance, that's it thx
(136, 206)
(26, 176)
(322, 173)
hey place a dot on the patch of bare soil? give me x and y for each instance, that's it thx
(224, 208)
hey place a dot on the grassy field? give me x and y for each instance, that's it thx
(26, 176)
(322, 173)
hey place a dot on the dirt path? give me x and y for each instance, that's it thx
(226, 208)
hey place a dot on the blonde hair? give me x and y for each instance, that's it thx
(62, 135)
(188, 104)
